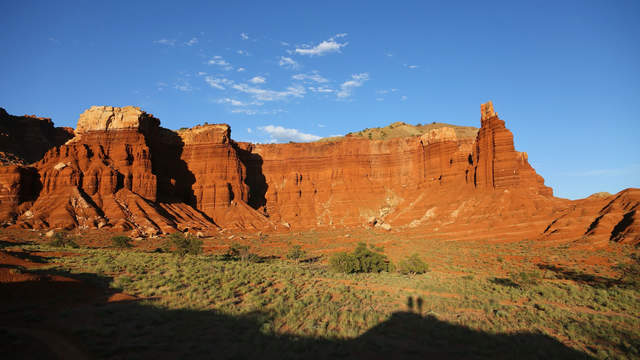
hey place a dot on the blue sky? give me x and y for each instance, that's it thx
(564, 75)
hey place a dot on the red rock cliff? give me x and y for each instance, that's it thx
(123, 171)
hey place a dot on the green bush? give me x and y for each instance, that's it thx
(121, 241)
(362, 259)
(182, 244)
(526, 278)
(630, 272)
(62, 239)
(296, 253)
(242, 253)
(413, 265)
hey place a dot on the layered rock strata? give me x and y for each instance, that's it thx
(123, 171)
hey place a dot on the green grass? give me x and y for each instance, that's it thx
(505, 296)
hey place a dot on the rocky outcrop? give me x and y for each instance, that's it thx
(123, 171)
(497, 164)
(26, 138)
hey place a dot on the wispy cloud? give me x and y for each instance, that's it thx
(403, 98)
(244, 36)
(270, 95)
(256, 112)
(241, 69)
(321, 89)
(281, 134)
(258, 80)
(234, 102)
(412, 67)
(218, 83)
(183, 85)
(219, 61)
(310, 77)
(191, 42)
(357, 80)
(325, 47)
(242, 52)
(167, 42)
(287, 62)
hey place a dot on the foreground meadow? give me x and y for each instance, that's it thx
(478, 300)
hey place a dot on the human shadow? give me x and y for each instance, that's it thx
(582, 278)
(81, 310)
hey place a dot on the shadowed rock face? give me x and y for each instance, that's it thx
(26, 138)
(122, 170)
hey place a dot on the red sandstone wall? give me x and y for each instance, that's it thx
(123, 171)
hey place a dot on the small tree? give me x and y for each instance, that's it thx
(62, 239)
(242, 253)
(412, 265)
(182, 244)
(362, 259)
(296, 253)
(121, 241)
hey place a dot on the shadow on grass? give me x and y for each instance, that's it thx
(587, 279)
(505, 282)
(78, 306)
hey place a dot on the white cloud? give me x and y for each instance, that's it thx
(284, 43)
(379, 99)
(244, 36)
(219, 61)
(411, 66)
(287, 62)
(168, 42)
(389, 54)
(341, 35)
(271, 95)
(313, 77)
(325, 47)
(249, 130)
(183, 85)
(201, 73)
(321, 125)
(256, 112)
(403, 98)
(321, 89)
(347, 87)
(234, 102)
(281, 134)
(258, 80)
(241, 69)
(242, 52)
(192, 42)
(218, 83)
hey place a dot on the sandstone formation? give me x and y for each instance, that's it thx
(123, 171)
(26, 138)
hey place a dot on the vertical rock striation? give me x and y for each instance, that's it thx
(123, 171)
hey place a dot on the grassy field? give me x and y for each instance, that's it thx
(478, 300)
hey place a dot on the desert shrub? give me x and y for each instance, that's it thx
(526, 278)
(296, 253)
(630, 272)
(182, 244)
(62, 239)
(362, 259)
(242, 252)
(412, 265)
(121, 241)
